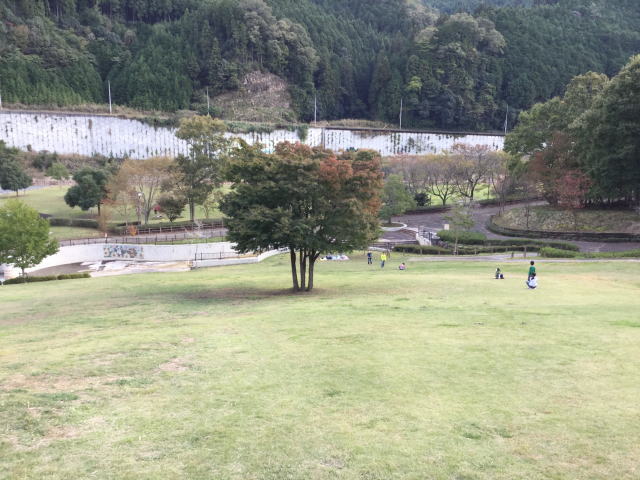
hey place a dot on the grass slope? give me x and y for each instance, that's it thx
(437, 372)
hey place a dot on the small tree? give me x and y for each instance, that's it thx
(198, 173)
(12, 175)
(139, 183)
(171, 206)
(57, 171)
(90, 189)
(441, 176)
(212, 202)
(24, 236)
(396, 198)
(461, 220)
(574, 191)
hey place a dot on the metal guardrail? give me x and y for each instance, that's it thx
(214, 225)
(164, 239)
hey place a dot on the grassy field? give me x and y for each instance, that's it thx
(438, 372)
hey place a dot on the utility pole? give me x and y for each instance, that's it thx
(208, 103)
(401, 113)
(315, 109)
(506, 120)
(109, 86)
(0, 98)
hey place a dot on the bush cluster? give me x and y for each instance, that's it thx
(46, 278)
(549, 252)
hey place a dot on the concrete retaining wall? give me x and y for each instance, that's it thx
(112, 136)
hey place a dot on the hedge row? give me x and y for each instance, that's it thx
(464, 249)
(476, 238)
(73, 222)
(556, 253)
(46, 278)
(579, 236)
(466, 238)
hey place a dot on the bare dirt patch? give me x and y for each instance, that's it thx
(53, 384)
(174, 365)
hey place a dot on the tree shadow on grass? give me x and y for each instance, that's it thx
(239, 295)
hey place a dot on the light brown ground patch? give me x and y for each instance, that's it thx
(51, 383)
(174, 365)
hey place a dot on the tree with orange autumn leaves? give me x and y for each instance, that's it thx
(307, 200)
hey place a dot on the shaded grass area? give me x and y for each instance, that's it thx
(435, 372)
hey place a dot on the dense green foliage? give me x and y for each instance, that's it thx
(453, 70)
(90, 189)
(12, 174)
(308, 201)
(584, 147)
(24, 236)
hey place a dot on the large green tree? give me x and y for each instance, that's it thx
(90, 189)
(306, 200)
(13, 176)
(199, 172)
(396, 199)
(24, 236)
(608, 137)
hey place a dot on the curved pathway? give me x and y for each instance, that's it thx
(435, 221)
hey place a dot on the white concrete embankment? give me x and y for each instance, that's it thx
(108, 135)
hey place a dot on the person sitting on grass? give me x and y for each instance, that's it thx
(402, 266)
(499, 275)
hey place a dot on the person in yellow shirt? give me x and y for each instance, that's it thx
(383, 258)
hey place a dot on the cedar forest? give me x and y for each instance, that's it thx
(457, 64)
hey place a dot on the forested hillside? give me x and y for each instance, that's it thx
(358, 58)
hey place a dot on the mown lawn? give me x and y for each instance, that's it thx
(438, 372)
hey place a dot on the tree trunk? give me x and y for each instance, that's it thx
(294, 271)
(312, 262)
(192, 210)
(303, 269)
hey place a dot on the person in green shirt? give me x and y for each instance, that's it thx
(532, 270)
(383, 258)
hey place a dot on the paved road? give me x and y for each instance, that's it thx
(481, 215)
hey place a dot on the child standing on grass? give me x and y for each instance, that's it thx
(383, 258)
(532, 270)
(369, 258)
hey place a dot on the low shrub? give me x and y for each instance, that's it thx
(72, 276)
(46, 278)
(464, 249)
(467, 238)
(422, 250)
(549, 252)
(73, 222)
